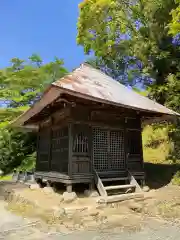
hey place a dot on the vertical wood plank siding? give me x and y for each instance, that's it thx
(60, 153)
(44, 142)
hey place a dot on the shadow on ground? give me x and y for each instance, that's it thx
(159, 175)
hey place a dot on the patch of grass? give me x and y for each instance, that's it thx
(157, 155)
(156, 144)
(169, 210)
(26, 209)
(176, 179)
(6, 178)
(160, 166)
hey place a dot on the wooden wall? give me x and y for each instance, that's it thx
(67, 146)
(43, 149)
(53, 147)
(59, 150)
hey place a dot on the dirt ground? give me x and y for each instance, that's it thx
(85, 213)
(157, 213)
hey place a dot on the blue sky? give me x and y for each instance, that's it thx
(45, 27)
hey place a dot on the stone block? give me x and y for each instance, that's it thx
(48, 190)
(34, 186)
(69, 197)
(89, 193)
(146, 189)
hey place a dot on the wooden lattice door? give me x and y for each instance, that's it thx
(100, 149)
(108, 150)
(116, 153)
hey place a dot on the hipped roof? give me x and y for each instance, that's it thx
(92, 84)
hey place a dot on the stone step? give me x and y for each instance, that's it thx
(119, 187)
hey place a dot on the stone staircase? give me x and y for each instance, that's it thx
(118, 188)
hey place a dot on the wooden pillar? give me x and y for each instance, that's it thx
(126, 154)
(70, 136)
(69, 188)
(141, 145)
(37, 147)
(50, 144)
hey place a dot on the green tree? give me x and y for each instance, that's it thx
(136, 32)
(21, 84)
(16, 147)
(175, 24)
(142, 34)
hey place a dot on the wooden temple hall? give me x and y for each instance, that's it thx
(89, 131)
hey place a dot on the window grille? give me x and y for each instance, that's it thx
(80, 140)
(80, 143)
(117, 158)
(100, 149)
(108, 149)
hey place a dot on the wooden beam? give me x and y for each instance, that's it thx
(116, 187)
(99, 185)
(50, 144)
(135, 183)
(70, 135)
(119, 198)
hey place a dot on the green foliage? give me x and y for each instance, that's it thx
(175, 24)
(157, 145)
(14, 148)
(161, 143)
(134, 33)
(28, 163)
(135, 40)
(21, 84)
(176, 179)
(173, 89)
(6, 178)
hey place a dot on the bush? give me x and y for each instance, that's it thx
(176, 179)
(16, 148)
(157, 145)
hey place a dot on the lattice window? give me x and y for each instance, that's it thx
(117, 158)
(80, 144)
(100, 149)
